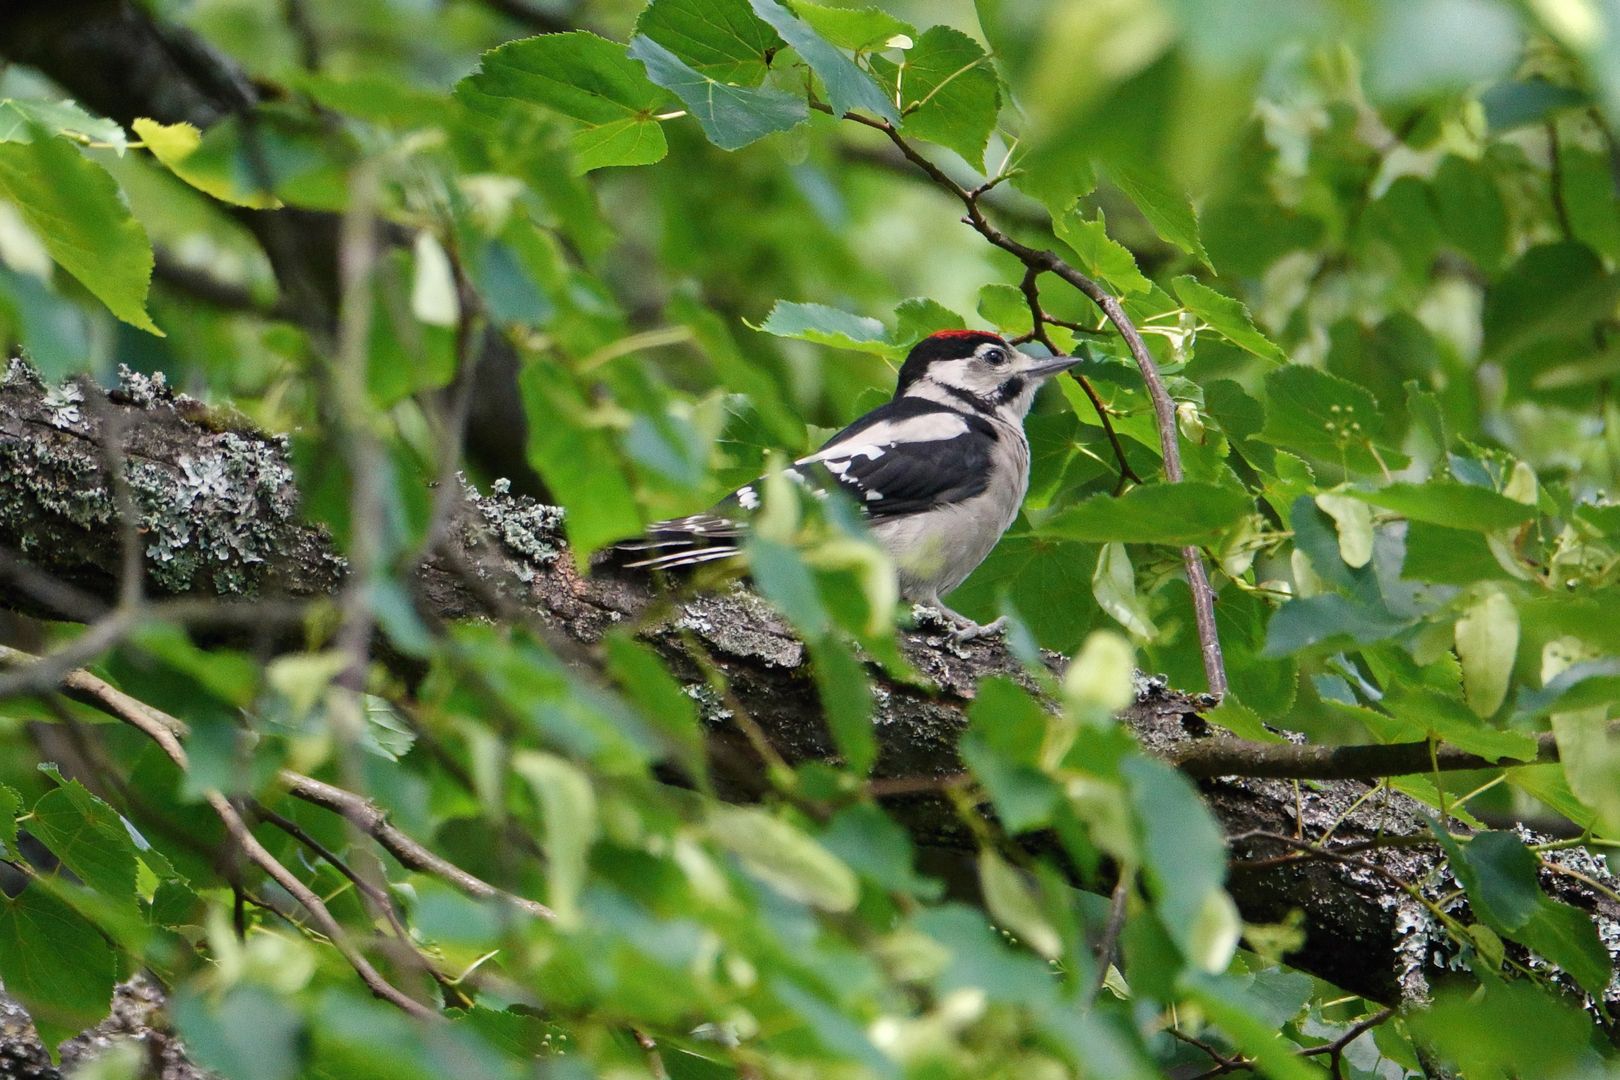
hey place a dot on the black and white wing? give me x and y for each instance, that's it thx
(904, 457)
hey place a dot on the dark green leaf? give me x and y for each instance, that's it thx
(1499, 873)
(1556, 290)
(55, 963)
(89, 837)
(1315, 620)
(584, 77)
(578, 461)
(1566, 936)
(1190, 512)
(1311, 412)
(721, 39)
(1183, 856)
(846, 701)
(10, 806)
(247, 1033)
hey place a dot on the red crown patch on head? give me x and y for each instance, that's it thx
(987, 335)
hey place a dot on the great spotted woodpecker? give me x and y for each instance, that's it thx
(940, 471)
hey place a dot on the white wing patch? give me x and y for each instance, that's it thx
(748, 498)
(873, 442)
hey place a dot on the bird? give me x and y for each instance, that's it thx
(939, 472)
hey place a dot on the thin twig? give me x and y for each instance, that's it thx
(1038, 320)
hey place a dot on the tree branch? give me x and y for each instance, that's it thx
(230, 556)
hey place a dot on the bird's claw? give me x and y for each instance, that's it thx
(972, 631)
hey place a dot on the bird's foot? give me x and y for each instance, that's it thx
(962, 629)
(973, 630)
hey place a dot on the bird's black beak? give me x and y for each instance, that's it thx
(1045, 368)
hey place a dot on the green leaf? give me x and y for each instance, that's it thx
(577, 459)
(1191, 512)
(1589, 199)
(1004, 307)
(1499, 873)
(1310, 621)
(645, 681)
(721, 39)
(1226, 317)
(947, 89)
(1184, 859)
(10, 807)
(23, 121)
(848, 87)
(54, 962)
(875, 846)
(78, 213)
(1487, 635)
(1012, 904)
(1002, 746)
(856, 29)
(90, 839)
(247, 1033)
(568, 807)
(1471, 210)
(827, 326)
(1510, 1029)
(1353, 521)
(783, 578)
(1554, 290)
(846, 701)
(175, 145)
(731, 116)
(1100, 255)
(1311, 412)
(1169, 211)
(1113, 583)
(1566, 936)
(1456, 506)
(784, 858)
(1242, 1017)
(587, 78)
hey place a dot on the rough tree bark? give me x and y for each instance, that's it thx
(216, 510)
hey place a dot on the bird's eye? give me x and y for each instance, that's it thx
(995, 357)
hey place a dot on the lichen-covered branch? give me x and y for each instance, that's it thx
(217, 504)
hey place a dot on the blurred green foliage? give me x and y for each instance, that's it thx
(1372, 245)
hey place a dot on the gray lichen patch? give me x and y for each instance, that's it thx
(20, 372)
(142, 390)
(214, 509)
(530, 530)
(222, 513)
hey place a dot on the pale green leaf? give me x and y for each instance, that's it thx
(1487, 635)
(784, 858)
(1100, 255)
(568, 809)
(1012, 903)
